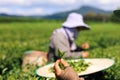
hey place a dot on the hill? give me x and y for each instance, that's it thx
(61, 15)
(82, 10)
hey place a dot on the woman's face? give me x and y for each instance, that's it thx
(75, 31)
(79, 28)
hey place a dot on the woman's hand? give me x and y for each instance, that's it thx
(57, 68)
(85, 46)
(67, 73)
(85, 54)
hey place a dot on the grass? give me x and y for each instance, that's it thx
(16, 38)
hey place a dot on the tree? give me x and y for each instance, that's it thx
(116, 15)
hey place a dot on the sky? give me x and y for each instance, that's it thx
(45, 7)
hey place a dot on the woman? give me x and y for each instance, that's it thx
(63, 38)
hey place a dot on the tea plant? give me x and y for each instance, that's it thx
(16, 38)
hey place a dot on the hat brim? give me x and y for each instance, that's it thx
(85, 27)
(74, 25)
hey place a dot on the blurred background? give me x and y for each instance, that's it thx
(100, 10)
(27, 25)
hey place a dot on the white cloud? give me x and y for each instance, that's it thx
(107, 1)
(5, 10)
(109, 4)
(12, 2)
(62, 2)
(30, 7)
(30, 2)
(33, 11)
(87, 1)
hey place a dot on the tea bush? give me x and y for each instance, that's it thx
(17, 37)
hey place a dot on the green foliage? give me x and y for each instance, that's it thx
(117, 13)
(91, 16)
(79, 66)
(116, 16)
(10, 19)
(60, 54)
(16, 38)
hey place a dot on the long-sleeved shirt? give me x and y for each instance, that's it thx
(61, 42)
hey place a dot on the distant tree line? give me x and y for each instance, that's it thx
(102, 17)
(7, 19)
(114, 17)
(97, 17)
